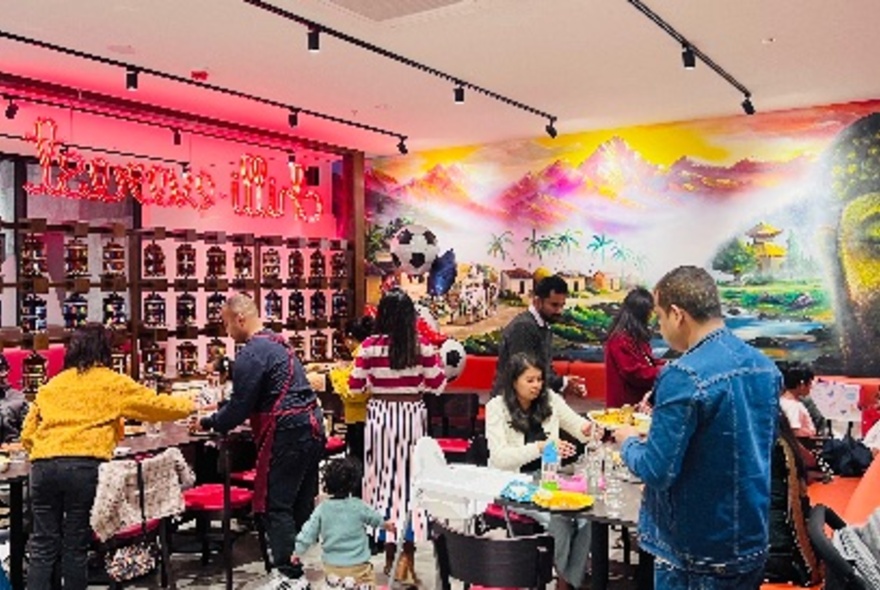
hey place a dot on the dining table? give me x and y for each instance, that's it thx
(604, 514)
(171, 434)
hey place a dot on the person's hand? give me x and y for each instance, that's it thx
(195, 425)
(644, 406)
(624, 432)
(587, 429)
(294, 559)
(575, 385)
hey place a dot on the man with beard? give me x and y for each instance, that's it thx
(530, 332)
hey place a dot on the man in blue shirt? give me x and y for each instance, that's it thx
(706, 460)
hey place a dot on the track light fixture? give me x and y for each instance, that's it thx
(131, 78)
(688, 59)
(316, 27)
(458, 93)
(291, 159)
(132, 72)
(688, 48)
(747, 105)
(401, 145)
(184, 169)
(175, 136)
(550, 128)
(293, 117)
(11, 110)
(314, 40)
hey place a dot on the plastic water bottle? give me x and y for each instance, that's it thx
(550, 467)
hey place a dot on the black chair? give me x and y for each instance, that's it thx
(522, 562)
(839, 573)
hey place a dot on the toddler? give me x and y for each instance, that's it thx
(339, 523)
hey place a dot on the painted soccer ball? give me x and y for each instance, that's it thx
(453, 357)
(414, 249)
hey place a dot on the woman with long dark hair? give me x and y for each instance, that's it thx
(73, 425)
(397, 367)
(520, 421)
(630, 366)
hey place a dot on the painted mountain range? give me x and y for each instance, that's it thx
(612, 182)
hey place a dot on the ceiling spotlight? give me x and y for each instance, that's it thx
(401, 146)
(688, 59)
(314, 40)
(551, 129)
(11, 110)
(175, 135)
(184, 168)
(458, 93)
(131, 78)
(313, 176)
(291, 159)
(747, 106)
(293, 117)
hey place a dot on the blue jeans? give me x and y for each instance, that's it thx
(62, 491)
(668, 577)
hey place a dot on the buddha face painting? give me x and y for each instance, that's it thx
(854, 166)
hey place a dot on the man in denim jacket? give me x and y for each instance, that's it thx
(706, 460)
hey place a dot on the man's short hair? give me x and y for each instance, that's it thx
(553, 283)
(691, 289)
(242, 303)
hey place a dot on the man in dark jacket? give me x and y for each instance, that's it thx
(530, 332)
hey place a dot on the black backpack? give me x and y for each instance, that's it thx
(847, 456)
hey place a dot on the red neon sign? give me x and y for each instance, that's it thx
(255, 194)
(66, 173)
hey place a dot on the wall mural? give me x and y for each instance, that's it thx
(783, 208)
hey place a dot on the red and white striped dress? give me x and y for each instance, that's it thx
(393, 428)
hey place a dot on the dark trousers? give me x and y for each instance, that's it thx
(62, 491)
(354, 440)
(293, 486)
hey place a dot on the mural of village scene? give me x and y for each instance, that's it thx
(752, 199)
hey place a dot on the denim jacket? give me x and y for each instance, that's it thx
(706, 461)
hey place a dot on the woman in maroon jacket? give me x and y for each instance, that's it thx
(630, 366)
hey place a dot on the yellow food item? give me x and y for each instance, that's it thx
(561, 500)
(612, 418)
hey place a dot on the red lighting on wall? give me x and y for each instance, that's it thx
(255, 194)
(66, 173)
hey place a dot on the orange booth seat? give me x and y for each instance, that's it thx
(479, 375)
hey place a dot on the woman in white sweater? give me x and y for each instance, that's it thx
(519, 423)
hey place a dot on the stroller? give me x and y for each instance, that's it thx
(841, 573)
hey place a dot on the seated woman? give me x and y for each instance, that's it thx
(791, 557)
(519, 423)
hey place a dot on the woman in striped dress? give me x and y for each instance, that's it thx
(397, 367)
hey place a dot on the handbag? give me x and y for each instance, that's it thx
(847, 456)
(138, 559)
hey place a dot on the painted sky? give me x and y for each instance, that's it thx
(662, 194)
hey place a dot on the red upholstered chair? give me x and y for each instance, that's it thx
(205, 504)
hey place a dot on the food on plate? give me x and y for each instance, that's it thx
(561, 500)
(614, 418)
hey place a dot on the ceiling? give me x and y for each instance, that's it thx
(591, 63)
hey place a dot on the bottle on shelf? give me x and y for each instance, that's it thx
(296, 265)
(76, 258)
(33, 256)
(244, 263)
(187, 359)
(215, 303)
(75, 311)
(186, 310)
(154, 311)
(33, 314)
(186, 260)
(114, 311)
(113, 259)
(216, 262)
(271, 264)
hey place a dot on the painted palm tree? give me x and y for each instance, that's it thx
(497, 244)
(568, 239)
(375, 241)
(623, 255)
(532, 245)
(599, 244)
(546, 246)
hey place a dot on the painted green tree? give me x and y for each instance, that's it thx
(599, 245)
(735, 258)
(497, 244)
(568, 239)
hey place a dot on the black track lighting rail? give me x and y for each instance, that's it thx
(682, 40)
(316, 26)
(130, 67)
